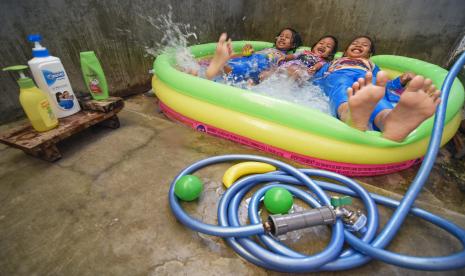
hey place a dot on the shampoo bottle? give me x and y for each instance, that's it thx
(34, 102)
(51, 78)
(94, 77)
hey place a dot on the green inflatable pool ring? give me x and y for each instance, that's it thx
(293, 131)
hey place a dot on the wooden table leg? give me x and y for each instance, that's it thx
(47, 152)
(112, 122)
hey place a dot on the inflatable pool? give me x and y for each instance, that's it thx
(292, 131)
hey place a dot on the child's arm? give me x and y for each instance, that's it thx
(400, 82)
(319, 74)
(315, 68)
(406, 77)
(290, 57)
(395, 87)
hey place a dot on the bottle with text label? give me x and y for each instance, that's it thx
(93, 75)
(34, 102)
(51, 78)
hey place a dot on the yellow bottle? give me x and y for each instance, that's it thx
(34, 102)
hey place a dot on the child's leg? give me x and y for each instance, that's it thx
(222, 54)
(266, 74)
(365, 101)
(335, 87)
(417, 103)
(298, 72)
(250, 67)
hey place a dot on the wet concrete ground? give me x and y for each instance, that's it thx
(103, 210)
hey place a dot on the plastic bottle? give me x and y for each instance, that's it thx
(51, 78)
(34, 102)
(93, 75)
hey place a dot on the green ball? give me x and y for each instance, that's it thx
(188, 187)
(278, 200)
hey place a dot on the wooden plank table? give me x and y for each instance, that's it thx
(43, 144)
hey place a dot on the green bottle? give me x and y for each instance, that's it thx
(94, 77)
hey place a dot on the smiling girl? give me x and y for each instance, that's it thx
(304, 64)
(356, 89)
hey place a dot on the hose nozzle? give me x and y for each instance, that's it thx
(281, 224)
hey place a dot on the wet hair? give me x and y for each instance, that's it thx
(372, 44)
(296, 38)
(334, 51)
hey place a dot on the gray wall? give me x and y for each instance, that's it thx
(118, 31)
(424, 29)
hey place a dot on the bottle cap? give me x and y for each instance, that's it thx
(23, 81)
(38, 50)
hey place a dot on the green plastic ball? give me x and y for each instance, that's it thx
(278, 200)
(188, 187)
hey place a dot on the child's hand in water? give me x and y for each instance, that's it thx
(406, 77)
(312, 70)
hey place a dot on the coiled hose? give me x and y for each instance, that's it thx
(277, 256)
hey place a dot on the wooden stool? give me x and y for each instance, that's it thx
(43, 144)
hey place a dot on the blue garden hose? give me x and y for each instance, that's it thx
(277, 256)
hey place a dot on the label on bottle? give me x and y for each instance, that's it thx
(46, 113)
(59, 88)
(94, 84)
(52, 79)
(64, 98)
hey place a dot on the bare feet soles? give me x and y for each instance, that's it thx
(417, 103)
(222, 54)
(363, 97)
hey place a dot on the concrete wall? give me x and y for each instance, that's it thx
(118, 31)
(425, 29)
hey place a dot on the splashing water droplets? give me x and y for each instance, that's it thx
(175, 40)
(279, 85)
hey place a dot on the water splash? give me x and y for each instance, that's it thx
(279, 85)
(176, 37)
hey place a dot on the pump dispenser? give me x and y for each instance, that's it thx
(34, 102)
(38, 50)
(51, 78)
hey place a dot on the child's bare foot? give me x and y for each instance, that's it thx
(417, 103)
(222, 54)
(363, 97)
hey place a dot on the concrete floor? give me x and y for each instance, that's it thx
(103, 210)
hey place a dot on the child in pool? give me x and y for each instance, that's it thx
(302, 65)
(250, 67)
(356, 89)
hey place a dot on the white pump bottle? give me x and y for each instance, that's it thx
(51, 78)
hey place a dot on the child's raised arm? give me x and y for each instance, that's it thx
(314, 68)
